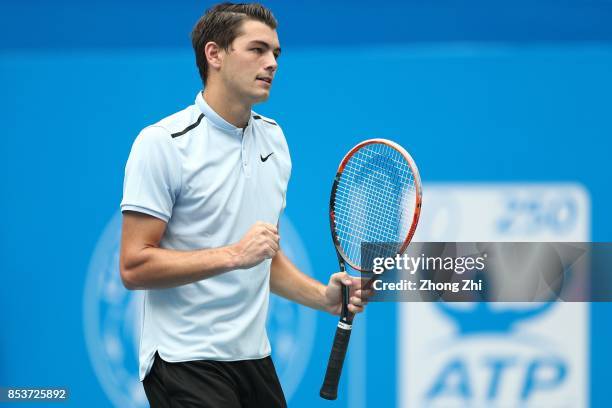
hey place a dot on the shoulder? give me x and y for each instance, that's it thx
(152, 136)
(180, 123)
(154, 141)
(162, 133)
(264, 121)
(268, 126)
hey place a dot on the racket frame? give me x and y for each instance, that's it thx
(332, 199)
(329, 389)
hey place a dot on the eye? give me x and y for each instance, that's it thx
(258, 50)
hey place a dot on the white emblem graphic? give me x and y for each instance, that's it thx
(496, 354)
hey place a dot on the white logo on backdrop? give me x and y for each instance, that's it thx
(496, 354)
(112, 319)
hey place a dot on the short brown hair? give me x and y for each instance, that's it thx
(221, 24)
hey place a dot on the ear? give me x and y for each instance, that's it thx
(214, 54)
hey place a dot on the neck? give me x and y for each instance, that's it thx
(229, 107)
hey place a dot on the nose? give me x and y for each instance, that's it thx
(271, 63)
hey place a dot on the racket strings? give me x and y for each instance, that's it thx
(374, 203)
(367, 192)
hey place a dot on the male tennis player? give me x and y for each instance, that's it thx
(204, 189)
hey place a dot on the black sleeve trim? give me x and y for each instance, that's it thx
(188, 128)
(267, 121)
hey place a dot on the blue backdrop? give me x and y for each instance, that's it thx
(475, 92)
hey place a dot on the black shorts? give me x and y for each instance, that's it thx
(213, 384)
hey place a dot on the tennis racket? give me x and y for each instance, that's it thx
(375, 199)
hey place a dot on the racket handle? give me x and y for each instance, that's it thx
(329, 390)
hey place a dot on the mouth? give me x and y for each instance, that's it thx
(267, 80)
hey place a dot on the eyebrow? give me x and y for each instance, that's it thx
(277, 50)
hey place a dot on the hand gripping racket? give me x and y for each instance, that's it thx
(375, 199)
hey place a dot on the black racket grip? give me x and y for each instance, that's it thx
(329, 390)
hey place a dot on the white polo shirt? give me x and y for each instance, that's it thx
(210, 182)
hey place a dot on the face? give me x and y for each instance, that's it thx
(248, 67)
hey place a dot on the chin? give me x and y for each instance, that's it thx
(261, 97)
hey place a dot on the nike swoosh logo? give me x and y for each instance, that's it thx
(263, 159)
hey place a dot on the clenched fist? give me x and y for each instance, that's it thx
(259, 243)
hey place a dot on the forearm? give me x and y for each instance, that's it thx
(288, 281)
(158, 268)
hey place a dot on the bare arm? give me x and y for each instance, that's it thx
(288, 281)
(144, 265)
